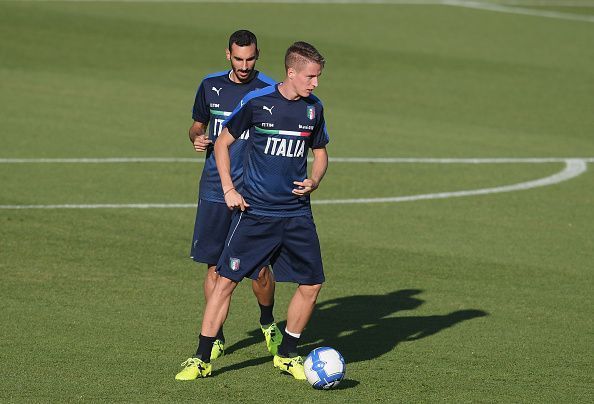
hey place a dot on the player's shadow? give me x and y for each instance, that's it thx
(364, 327)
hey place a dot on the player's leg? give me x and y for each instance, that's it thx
(298, 314)
(248, 248)
(263, 288)
(210, 280)
(215, 313)
(210, 231)
(299, 261)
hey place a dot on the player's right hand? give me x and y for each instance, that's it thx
(234, 200)
(201, 143)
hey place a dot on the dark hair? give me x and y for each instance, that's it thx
(243, 38)
(302, 52)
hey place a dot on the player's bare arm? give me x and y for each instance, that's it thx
(233, 199)
(318, 170)
(199, 137)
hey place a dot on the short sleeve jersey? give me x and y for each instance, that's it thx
(282, 132)
(216, 97)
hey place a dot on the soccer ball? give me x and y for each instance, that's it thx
(324, 368)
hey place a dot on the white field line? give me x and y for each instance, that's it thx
(573, 168)
(478, 160)
(339, 2)
(547, 3)
(104, 206)
(518, 10)
(102, 160)
(389, 160)
(523, 3)
(501, 7)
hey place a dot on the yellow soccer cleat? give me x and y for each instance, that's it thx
(273, 337)
(292, 366)
(218, 350)
(193, 369)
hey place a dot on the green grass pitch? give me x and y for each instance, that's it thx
(484, 298)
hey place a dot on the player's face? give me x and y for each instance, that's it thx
(243, 61)
(305, 78)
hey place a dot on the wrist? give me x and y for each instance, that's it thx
(225, 192)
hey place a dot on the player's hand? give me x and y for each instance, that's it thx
(234, 200)
(201, 143)
(305, 187)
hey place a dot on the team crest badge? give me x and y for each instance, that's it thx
(234, 264)
(311, 112)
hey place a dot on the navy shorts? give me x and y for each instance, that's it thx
(210, 231)
(289, 244)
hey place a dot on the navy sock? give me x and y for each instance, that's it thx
(288, 348)
(204, 348)
(266, 317)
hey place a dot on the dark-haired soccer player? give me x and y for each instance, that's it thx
(274, 224)
(216, 97)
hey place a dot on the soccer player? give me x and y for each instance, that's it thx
(216, 97)
(273, 224)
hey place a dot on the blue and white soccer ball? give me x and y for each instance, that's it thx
(324, 368)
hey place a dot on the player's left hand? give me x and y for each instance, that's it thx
(305, 187)
(201, 143)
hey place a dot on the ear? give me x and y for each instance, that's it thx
(257, 53)
(228, 53)
(291, 73)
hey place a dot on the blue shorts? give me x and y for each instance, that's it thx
(289, 244)
(210, 231)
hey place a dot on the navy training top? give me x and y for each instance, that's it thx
(282, 132)
(216, 97)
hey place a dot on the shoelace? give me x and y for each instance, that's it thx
(270, 332)
(292, 362)
(296, 359)
(190, 362)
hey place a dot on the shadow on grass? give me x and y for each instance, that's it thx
(346, 384)
(364, 327)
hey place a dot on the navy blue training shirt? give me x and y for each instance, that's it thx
(215, 99)
(282, 132)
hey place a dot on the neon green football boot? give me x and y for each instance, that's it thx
(218, 349)
(193, 369)
(292, 366)
(273, 337)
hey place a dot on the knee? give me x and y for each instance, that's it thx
(265, 278)
(212, 273)
(224, 286)
(310, 292)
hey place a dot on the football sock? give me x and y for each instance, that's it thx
(220, 334)
(266, 317)
(288, 348)
(204, 348)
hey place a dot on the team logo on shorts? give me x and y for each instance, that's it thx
(234, 264)
(311, 112)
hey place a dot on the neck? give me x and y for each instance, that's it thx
(288, 91)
